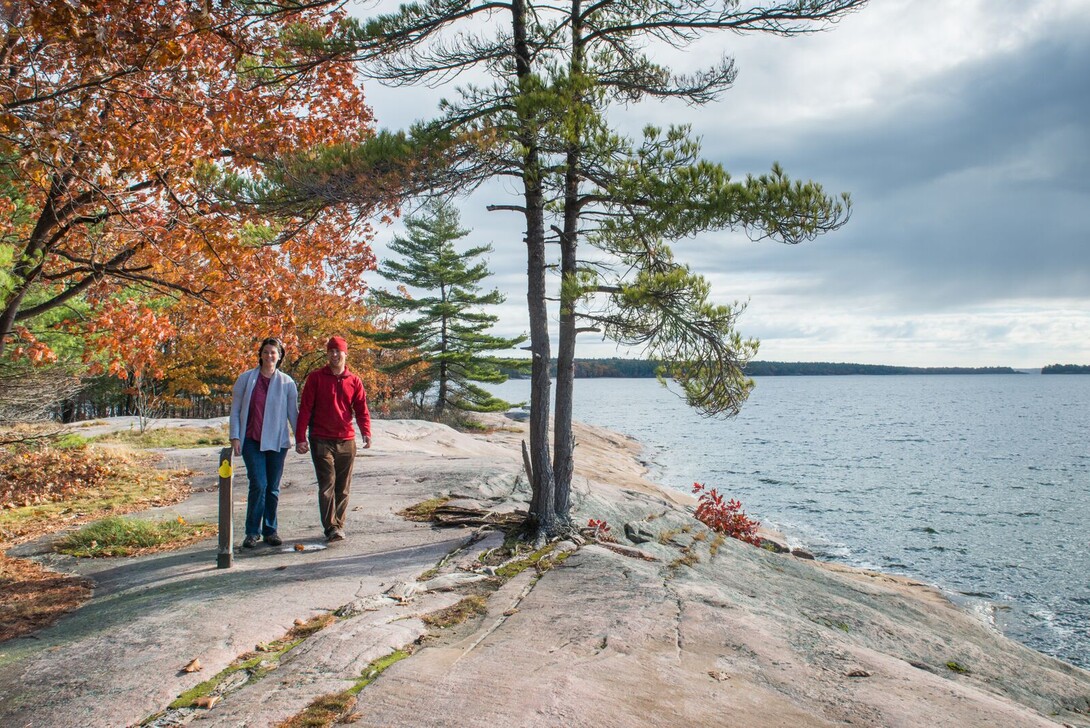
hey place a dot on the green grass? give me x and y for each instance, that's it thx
(257, 663)
(329, 709)
(423, 511)
(169, 437)
(536, 558)
(190, 697)
(70, 440)
(323, 712)
(116, 536)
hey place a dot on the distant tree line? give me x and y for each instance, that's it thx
(639, 368)
(779, 368)
(1061, 369)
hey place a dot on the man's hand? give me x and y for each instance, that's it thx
(302, 447)
(237, 445)
(366, 442)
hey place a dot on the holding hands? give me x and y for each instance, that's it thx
(302, 447)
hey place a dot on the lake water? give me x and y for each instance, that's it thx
(978, 484)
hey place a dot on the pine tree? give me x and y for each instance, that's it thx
(556, 71)
(449, 332)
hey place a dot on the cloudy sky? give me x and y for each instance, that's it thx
(961, 130)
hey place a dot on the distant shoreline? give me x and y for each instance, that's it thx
(779, 369)
(617, 368)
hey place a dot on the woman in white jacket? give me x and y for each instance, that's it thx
(264, 402)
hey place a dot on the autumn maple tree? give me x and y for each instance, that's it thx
(134, 138)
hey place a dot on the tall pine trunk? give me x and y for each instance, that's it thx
(564, 452)
(542, 503)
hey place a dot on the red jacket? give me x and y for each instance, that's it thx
(328, 404)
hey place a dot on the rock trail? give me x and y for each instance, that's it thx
(615, 635)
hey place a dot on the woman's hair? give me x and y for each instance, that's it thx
(271, 342)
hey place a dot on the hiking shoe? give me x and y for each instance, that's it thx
(335, 536)
(249, 542)
(273, 539)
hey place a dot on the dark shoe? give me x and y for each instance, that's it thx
(273, 539)
(249, 542)
(335, 536)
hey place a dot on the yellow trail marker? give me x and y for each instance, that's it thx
(226, 534)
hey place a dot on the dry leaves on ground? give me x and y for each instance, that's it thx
(66, 488)
(32, 597)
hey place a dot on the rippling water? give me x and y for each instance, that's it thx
(979, 484)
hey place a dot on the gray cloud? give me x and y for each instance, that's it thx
(967, 188)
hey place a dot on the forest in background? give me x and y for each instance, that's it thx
(640, 368)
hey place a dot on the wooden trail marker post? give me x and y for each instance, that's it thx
(226, 472)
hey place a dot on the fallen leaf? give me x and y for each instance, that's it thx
(261, 647)
(719, 675)
(206, 701)
(300, 547)
(858, 673)
(193, 666)
(509, 612)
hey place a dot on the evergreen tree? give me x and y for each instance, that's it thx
(449, 332)
(555, 72)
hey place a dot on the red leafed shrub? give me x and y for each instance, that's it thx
(725, 516)
(598, 530)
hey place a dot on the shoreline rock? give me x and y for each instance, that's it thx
(681, 629)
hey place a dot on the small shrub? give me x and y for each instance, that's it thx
(725, 516)
(599, 530)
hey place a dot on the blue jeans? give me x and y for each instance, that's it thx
(263, 468)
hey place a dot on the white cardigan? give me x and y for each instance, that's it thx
(281, 408)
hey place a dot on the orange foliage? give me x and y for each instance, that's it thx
(118, 122)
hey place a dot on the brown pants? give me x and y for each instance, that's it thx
(333, 461)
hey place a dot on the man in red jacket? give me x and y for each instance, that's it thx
(331, 397)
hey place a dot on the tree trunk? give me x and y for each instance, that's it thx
(542, 502)
(564, 453)
(441, 400)
(28, 266)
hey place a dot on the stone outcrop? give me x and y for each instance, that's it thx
(679, 628)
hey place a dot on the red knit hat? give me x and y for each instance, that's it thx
(336, 342)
